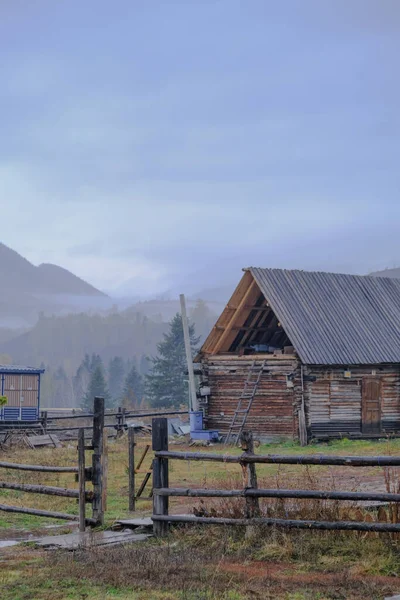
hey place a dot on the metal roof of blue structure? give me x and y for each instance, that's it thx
(19, 370)
(334, 319)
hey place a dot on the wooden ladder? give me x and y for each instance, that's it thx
(245, 402)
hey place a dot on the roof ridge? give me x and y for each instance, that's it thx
(356, 275)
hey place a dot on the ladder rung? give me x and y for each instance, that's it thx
(247, 396)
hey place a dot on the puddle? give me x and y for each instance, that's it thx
(7, 543)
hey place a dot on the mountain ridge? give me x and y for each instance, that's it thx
(28, 290)
(17, 274)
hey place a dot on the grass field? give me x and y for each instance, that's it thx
(209, 563)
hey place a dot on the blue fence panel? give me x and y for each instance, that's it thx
(29, 414)
(11, 413)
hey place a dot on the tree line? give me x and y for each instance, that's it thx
(156, 381)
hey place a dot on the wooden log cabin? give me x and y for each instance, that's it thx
(304, 355)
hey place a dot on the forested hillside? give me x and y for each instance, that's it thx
(63, 341)
(121, 341)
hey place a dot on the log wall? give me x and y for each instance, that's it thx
(334, 403)
(272, 415)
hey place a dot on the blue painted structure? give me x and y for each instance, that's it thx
(197, 431)
(21, 386)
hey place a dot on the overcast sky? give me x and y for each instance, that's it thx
(156, 144)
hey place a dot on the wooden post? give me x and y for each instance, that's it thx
(104, 463)
(123, 418)
(302, 414)
(131, 458)
(81, 479)
(118, 418)
(44, 421)
(97, 460)
(249, 475)
(160, 474)
(194, 405)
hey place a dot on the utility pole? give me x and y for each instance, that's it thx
(186, 335)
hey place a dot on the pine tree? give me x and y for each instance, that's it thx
(97, 387)
(116, 373)
(133, 389)
(166, 383)
(144, 365)
(62, 391)
(83, 376)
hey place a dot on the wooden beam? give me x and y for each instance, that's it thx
(259, 308)
(224, 318)
(258, 317)
(237, 312)
(253, 328)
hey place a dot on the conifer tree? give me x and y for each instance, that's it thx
(133, 389)
(116, 373)
(97, 387)
(167, 381)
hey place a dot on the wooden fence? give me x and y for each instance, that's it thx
(48, 423)
(251, 492)
(95, 474)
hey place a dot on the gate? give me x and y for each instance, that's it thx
(95, 474)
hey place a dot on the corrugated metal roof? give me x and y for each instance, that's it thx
(335, 319)
(19, 369)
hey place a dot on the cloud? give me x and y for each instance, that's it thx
(157, 145)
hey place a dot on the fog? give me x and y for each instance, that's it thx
(161, 147)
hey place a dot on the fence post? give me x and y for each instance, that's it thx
(249, 474)
(81, 479)
(131, 458)
(98, 460)
(44, 420)
(160, 474)
(118, 419)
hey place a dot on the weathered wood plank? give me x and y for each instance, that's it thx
(284, 523)
(82, 480)
(278, 493)
(160, 473)
(97, 461)
(287, 459)
(131, 467)
(43, 489)
(39, 513)
(39, 468)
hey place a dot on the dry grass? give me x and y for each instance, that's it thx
(221, 563)
(213, 563)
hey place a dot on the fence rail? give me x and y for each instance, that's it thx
(40, 468)
(284, 523)
(278, 493)
(96, 474)
(251, 493)
(47, 423)
(286, 459)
